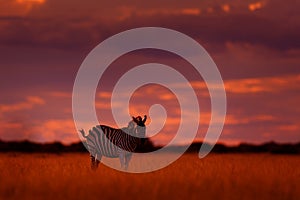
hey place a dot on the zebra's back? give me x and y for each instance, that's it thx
(109, 142)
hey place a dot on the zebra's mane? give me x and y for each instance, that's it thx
(124, 129)
(105, 126)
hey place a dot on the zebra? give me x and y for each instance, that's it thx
(106, 141)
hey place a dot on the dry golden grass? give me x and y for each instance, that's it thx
(218, 176)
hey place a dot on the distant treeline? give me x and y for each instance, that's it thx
(57, 147)
(269, 147)
(30, 147)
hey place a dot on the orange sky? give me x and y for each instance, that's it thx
(255, 45)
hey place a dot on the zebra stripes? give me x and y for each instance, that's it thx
(113, 143)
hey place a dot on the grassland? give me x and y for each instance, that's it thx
(218, 176)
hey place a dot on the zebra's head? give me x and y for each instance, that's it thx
(140, 128)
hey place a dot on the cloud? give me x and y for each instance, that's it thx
(104, 105)
(212, 22)
(289, 127)
(226, 8)
(50, 130)
(18, 7)
(56, 130)
(29, 103)
(60, 94)
(14, 130)
(264, 85)
(256, 85)
(256, 6)
(127, 12)
(234, 120)
(104, 95)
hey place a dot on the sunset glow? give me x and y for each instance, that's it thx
(226, 8)
(253, 43)
(191, 11)
(31, 1)
(255, 6)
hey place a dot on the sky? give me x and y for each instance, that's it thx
(255, 45)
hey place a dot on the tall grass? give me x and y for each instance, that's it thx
(218, 176)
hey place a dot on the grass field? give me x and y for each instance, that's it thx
(218, 176)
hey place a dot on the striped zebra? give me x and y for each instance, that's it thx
(115, 143)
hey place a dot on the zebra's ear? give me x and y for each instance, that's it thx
(145, 118)
(134, 119)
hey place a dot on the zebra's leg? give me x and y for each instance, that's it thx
(93, 154)
(98, 159)
(122, 159)
(127, 159)
(93, 162)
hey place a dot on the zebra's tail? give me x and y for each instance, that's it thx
(82, 133)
